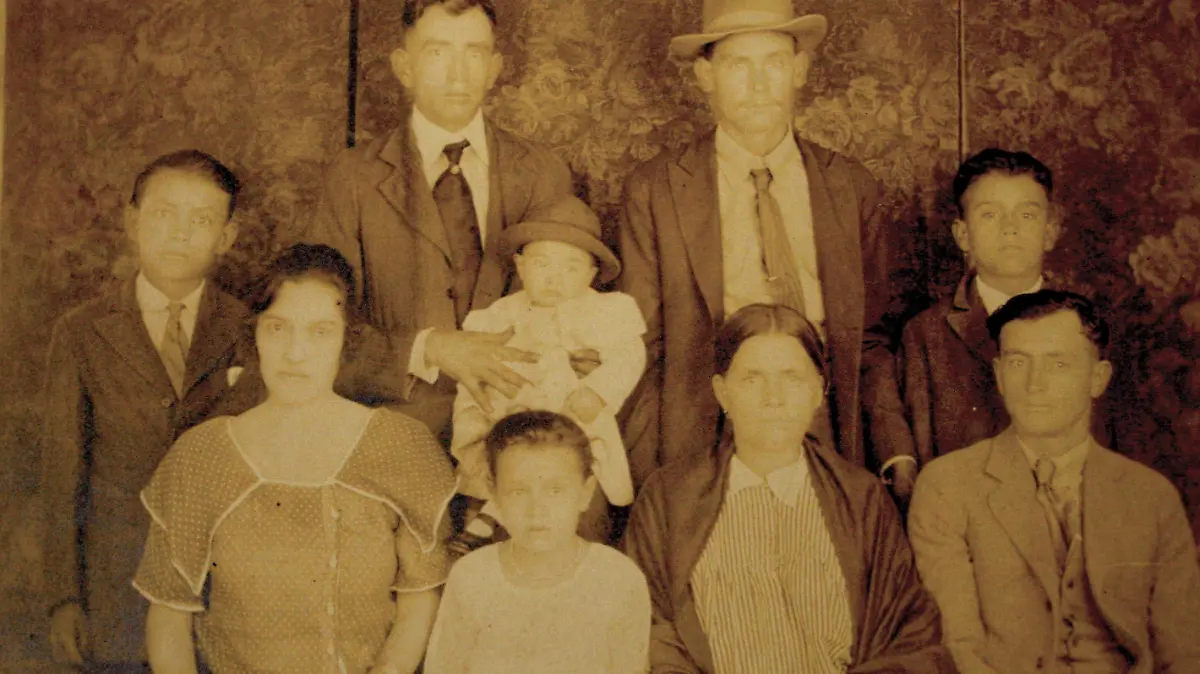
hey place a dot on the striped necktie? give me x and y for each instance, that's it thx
(452, 194)
(1043, 472)
(174, 347)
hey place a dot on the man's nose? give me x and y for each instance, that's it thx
(1037, 377)
(457, 70)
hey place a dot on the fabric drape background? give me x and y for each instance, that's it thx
(1106, 93)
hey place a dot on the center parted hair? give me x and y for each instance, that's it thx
(414, 9)
(996, 160)
(317, 262)
(763, 319)
(537, 427)
(1032, 306)
(188, 161)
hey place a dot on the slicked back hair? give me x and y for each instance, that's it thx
(996, 160)
(1032, 306)
(189, 161)
(415, 9)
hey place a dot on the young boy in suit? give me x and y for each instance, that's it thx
(127, 373)
(1006, 224)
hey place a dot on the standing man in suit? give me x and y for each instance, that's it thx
(127, 373)
(750, 213)
(419, 212)
(1044, 550)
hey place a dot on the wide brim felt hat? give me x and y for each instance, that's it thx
(722, 18)
(567, 220)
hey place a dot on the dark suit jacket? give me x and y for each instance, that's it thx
(978, 532)
(896, 624)
(671, 250)
(110, 416)
(380, 213)
(946, 384)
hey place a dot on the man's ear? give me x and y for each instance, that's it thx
(495, 66)
(959, 228)
(704, 74)
(801, 63)
(129, 218)
(996, 375)
(1054, 227)
(1101, 375)
(228, 235)
(402, 66)
(718, 384)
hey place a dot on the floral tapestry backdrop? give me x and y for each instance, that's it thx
(1106, 94)
(97, 88)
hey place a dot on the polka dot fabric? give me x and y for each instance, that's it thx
(301, 576)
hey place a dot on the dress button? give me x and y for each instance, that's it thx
(329, 608)
(336, 514)
(333, 562)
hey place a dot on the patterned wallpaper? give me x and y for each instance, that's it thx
(1104, 92)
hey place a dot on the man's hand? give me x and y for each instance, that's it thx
(585, 404)
(68, 634)
(584, 361)
(476, 359)
(903, 478)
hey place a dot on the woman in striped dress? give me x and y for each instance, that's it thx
(776, 555)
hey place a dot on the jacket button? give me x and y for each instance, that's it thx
(450, 293)
(167, 402)
(1040, 663)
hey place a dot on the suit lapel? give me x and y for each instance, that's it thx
(122, 327)
(968, 320)
(494, 270)
(694, 192)
(1016, 508)
(407, 190)
(835, 233)
(218, 326)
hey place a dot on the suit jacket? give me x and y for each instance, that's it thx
(947, 385)
(896, 623)
(379, 212)
(110, 415)
(670, 244)
(976, 528)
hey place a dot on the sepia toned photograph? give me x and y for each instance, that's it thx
(600, 337)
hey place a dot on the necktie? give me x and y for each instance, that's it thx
(453, 197)
(1043, 471)
(779, 261)
(174, 347)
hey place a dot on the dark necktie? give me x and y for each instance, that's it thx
(1043, 472)
(457, 209)
(174, 347)
(779, 261)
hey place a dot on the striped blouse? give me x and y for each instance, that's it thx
(768, 587)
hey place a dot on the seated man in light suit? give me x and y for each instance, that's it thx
(1044, 550)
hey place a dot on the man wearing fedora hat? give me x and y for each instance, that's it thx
(750, 213)
(558, 253)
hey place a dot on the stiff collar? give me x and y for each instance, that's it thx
(784, 482)
(151, 299)
(432, 139)
(739, 161)
(994, 299)
(1068, 467)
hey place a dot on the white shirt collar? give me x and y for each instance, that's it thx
(741, 161)
(784, 482)
(994, 299)
(151, 299)
(432, 139)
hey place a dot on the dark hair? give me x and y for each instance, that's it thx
(304, 261)
(1032, 306)
(995, 160)
(415, 9)
(764, 319)
(537, 427)
(189, 161)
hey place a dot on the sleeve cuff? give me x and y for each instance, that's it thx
(893, 461)
(417, 366)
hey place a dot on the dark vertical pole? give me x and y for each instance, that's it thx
(963, 105)
(352, 75)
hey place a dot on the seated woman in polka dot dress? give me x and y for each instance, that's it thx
(307, 534)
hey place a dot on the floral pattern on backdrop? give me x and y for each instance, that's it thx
(1106, 94)
(96, 88)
